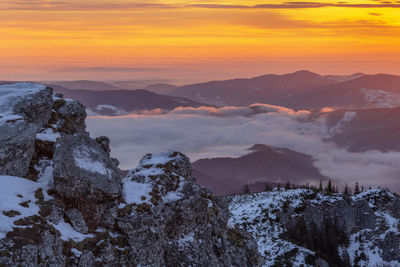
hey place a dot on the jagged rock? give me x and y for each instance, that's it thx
(77, 221)
(87, 179)
(190, 228)
(104, 142)
(17, 141)
(304, 227)
(24, 108)
(81, 167)
(71, 116)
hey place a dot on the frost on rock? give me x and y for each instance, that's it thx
(369, 221)
(28, 101)
(159, 177)
(84, 159)
(81, 166)
(69, 233)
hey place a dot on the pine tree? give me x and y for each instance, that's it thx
(287, 185)
(246, 189)
(329, 188)
(267, 187)
(320, 185)
(346, 190)
(356, 189)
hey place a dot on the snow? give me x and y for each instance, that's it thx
(185, 240)
(45, 176)
(76, 252)
(257, 214)
(141, 181)
(13, 191)
(85, 161)
(347, 117)
(159, 158)
(133, 191)
(381, 98)
(48, 134)
(67, 232)
(117, 111)
(9, 93)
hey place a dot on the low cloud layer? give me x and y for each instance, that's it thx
(212, 132)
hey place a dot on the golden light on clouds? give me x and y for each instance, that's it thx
(44, 38)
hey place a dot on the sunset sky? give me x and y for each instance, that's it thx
(185, 41)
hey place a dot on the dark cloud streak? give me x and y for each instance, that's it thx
(65, 5)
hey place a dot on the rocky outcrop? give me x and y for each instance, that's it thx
(191, 229)
(313, 228)
(70, 206)
(24, 108)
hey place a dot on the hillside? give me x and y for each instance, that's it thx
(263, 164)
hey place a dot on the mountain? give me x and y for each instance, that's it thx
(263, 89)
(85, 85)
(300, 90)
(161, 88)
(64, 202)
(308, 228)
(361, 130)
(262, 164)
(121, 102)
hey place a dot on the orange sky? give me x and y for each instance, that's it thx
(195, 40)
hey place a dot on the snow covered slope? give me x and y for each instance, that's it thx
(305, 227)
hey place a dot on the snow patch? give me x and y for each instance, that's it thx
(67, 232)
(134, 191)
(13, 192)
(84, 160)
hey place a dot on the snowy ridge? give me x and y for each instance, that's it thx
(146, 183)
(381, 98)
(10, 93)
(266, 216)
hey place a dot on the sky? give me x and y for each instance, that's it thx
(189, 41)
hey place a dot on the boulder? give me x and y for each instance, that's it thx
(71, 116)
(17, 141)
(82, 167)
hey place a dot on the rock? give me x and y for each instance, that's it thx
(74, 211)
(87, 179)
(32, 102)
(71, 116)
(24, 108)
(77, 221)
(104, 142)
(176, 222)
(305, 227)
(17, 141)
(81, 167)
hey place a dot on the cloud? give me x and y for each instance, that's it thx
(97, 5)
(212, 132)
(107, 69)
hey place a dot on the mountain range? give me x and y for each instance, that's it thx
(299, 90)
(122, 102)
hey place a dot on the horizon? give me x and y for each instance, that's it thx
(154, 81)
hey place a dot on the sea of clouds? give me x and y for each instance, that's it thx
(229, 131)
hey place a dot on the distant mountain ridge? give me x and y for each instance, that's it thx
(120, 102)
(300, 90)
